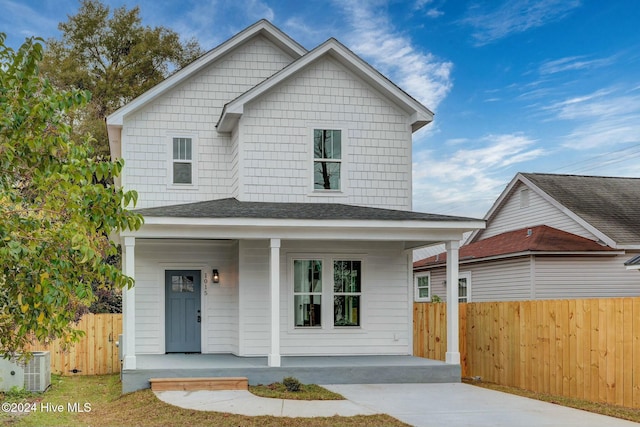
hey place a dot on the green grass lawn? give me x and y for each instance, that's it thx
(105, 406)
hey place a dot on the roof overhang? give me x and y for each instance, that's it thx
(633, 263)
(419, 114)
(412, 233)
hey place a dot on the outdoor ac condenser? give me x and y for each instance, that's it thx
(37, 373)
(33, 376)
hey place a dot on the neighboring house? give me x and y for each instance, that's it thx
(548, 236)
(275, 184)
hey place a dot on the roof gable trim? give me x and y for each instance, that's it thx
(262, 27)
(420, 115)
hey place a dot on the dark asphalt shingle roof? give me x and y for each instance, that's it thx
(233, 208)
(610, 204)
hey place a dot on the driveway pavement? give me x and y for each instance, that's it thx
(457, 404)
(421, 405)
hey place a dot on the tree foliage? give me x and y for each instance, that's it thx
(113, 56)
(56, 213)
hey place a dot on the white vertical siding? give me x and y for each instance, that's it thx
(386, 325)
(585, 277)
(513, 216)
(153, 257)
(194, 108)
(277, 140)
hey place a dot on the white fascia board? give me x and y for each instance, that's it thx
(262, 27)
(238, 228)
(420, 115)
(499, 201)
(630, 247)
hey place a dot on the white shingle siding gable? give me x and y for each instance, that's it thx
(194, 107)
(277, 140)
(512, 216)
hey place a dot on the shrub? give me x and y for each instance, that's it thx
(292, 384)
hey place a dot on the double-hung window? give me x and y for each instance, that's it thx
(327, 284)
(347, 276)
(307, 292)
(327, 159)
(422, 286)
(464, 287)
(182, 164)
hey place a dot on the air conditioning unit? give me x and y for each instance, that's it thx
(32, 376)
(37, 373)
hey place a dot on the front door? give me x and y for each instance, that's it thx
(182, 311)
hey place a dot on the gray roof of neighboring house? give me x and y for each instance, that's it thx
(610, 204)
(233, 208)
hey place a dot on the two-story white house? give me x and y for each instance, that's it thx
(275, 184)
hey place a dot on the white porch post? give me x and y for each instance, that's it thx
(274, 286)
(453, 350)
(129, 304)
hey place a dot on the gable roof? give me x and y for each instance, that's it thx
(420, 115)
(539, 239)
(260, 28)
(609, 207)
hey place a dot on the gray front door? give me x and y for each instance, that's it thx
(182, 311)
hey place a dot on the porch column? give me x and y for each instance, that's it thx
(274, 287)
(453, 350)
(129, 304)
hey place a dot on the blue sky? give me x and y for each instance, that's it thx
(516, 85)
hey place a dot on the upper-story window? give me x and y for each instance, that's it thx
(327, 159)
(182, 166)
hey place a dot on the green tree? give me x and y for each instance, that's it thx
(113, 56)
(56, 213)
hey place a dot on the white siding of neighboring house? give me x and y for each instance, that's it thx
(278, 140)
(503, 280)
(585, 277)
(193, 109)
(386, 327)
(539, 212)
(220, 314)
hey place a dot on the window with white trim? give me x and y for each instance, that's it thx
(347, 276)
(422, 286)
(464, 287)
(307, 292)
(182, 167)
(327, 159)
(330, 285)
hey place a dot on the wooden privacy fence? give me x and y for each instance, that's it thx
(95, 354)
(588, 349)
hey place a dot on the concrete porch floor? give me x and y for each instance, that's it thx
(308, 369)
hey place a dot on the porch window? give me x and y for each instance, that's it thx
(307, 292)
(327, 159)
(347, 276)
(182, 161)
(422, 287)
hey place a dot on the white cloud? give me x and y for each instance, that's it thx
(604, 118)
(573, 63)
(468, 180)
(372, 36)
(516, 16)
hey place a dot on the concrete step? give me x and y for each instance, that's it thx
(193, 384)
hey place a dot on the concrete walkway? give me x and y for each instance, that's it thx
(421, 405)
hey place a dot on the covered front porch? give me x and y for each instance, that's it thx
(378, 369)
